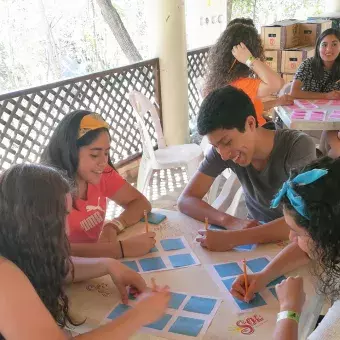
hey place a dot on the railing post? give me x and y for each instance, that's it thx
(158, 94)
(170, 42)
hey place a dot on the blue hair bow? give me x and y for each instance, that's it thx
(296, 201)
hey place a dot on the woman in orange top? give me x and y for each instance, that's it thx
(237, 59)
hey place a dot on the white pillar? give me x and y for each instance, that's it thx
(171, 48)
(332, 6)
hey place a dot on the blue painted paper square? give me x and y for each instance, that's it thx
(118, 311)
(276, 281)
(245, 247)
(187, 326)
(228, 282)
(215, 227)
(153, 250)
(181, 260)
(161, 323)
(152, 263)
(257, 301)
(228, 269)
(132, 265)
(200, 305)
(273, 291)
(172, 244)
(256, 265)
(176, 300)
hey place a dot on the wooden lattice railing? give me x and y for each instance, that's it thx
(29, 117)
(196, 67)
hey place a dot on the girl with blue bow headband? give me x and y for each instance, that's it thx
(311, 206)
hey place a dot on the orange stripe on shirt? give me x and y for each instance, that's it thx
(250, 86)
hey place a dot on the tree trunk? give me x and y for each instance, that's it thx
(229, 10)
(53, 62)
(118, 29)
(254, 11)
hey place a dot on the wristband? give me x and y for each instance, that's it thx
(288, 314)
(250, 61)
(117, 223)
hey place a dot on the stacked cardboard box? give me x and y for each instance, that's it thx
(288, 43)
(334, 17)
(311, 29)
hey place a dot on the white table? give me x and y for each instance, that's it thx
(284, 112)
(195, 280)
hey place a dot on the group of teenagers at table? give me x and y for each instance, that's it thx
(52, 214)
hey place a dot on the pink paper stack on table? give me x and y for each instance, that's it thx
(305, 104)
(335, 115)
(322, 102)
(335, 102)
(310, 106)
(298, 114)
(317, 115)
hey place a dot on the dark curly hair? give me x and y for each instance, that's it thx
(32, 231)
(218, 110)
(322, 202)
(220, 59)
(63, 149)
(245, 21)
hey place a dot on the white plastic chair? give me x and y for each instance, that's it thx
(165, 157)
(285, 89)
(212, 195)
(231, 198)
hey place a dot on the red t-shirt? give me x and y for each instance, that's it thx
(87, 217)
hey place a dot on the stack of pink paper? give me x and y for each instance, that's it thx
(322, 102)
(335, 115)
(305, 104)
(298, 114)
(317, 115)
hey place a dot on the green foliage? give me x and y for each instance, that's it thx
(267, 11)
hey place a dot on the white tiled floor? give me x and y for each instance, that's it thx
(164, 189)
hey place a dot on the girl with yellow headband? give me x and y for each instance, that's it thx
(311, 206)
(80, 147)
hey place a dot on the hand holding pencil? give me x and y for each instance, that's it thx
(245, 276)
(206, 223)
(146, 221)
(246, 285)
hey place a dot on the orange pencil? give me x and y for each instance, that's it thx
(146, 221)
(206, 223)
(245, 275)
(232, 65)
(153, 282)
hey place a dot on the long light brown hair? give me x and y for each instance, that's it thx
(32, 231)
